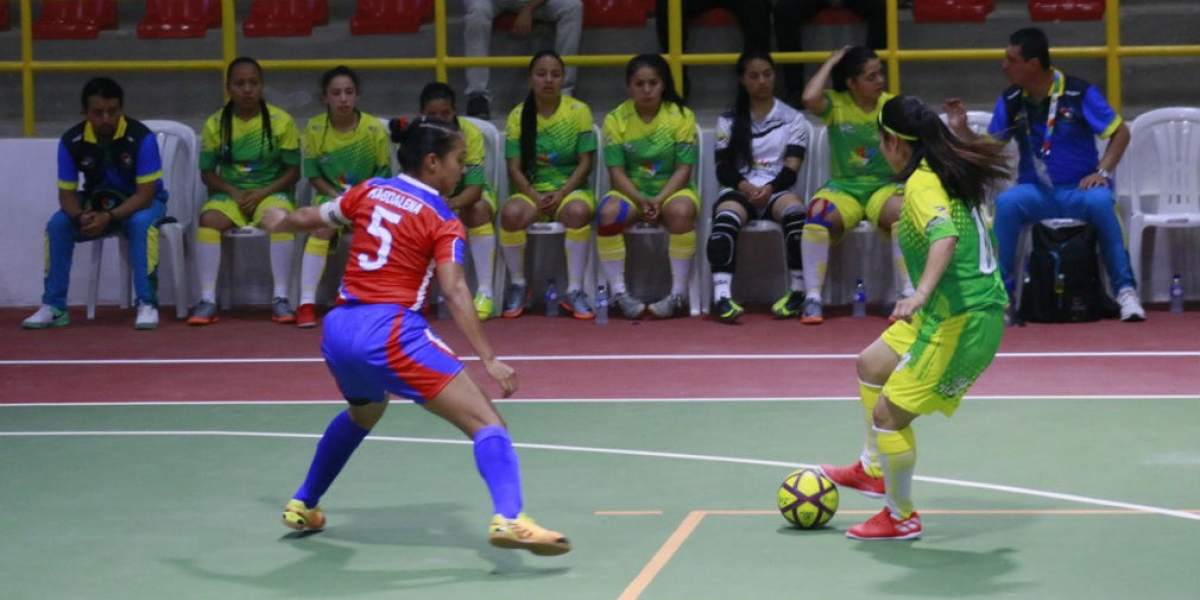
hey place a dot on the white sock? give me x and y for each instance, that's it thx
(577, 255)
(722, 283)
(311, 268)
(483, 252)
(514, 260)
(614, 272)
(208, 267)
(681, 274)
(281, 266)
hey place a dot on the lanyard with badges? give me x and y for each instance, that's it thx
(1040, 155)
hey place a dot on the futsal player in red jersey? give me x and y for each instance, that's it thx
(377, 344)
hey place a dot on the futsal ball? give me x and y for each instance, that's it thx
(808, 499)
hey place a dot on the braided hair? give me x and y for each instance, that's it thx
(529, 122)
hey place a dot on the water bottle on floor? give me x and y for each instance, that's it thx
(860, 300)
(601, 306)
(551, 298)
(1177, 294)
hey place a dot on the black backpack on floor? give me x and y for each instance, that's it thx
(1063, 284)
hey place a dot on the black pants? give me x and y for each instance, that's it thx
(791, 14)
(754, 17)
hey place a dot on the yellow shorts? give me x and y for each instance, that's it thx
(940, 358)
(226, 205)
(585, 195)
(852, 208)
(687, 193)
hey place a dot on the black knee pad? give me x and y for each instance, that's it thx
(793, 224)
(722, 242)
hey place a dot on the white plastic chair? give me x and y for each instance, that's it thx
(177, 148)
(1164, 174)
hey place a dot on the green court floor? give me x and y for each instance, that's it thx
(1040, 499)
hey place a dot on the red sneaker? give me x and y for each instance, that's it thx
(306, 316)
(855, 477)
(884, 526)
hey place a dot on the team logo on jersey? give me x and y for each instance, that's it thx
(954, 388)
(88, 163)
(126, 159)
(650, 168)
(864, 154)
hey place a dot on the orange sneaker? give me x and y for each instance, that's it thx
(522, 533)
(306, 316)
(299, 517)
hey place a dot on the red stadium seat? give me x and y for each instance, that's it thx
(715, 17)
(835, 16)
(373, 17)
(602, 14)
(74, 19)
(5, 17)
(952, 11)
(284, 18)
(1066, 10)
(175, 19)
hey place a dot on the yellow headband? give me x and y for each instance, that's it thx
(903, 136)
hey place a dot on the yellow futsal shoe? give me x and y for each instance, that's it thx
(299, 517)
(484, 307)
(522, 533)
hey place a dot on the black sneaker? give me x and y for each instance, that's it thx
(478, 106)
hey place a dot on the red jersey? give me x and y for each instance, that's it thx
(402, 228)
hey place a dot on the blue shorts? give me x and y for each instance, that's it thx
(373, 349)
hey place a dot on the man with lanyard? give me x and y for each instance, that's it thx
(1054, 119)
(122, 194)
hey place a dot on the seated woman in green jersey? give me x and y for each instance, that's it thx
(860, 183)
(650, 151)
(250, 161)
(947, 332)
(550, 146)
(342, 148)
(473, 199)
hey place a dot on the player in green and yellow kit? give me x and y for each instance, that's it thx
(250, 161)
(947, 332)
(550, 147)
(342, 148)
(474, 199)
(650, 151)
(860, 184)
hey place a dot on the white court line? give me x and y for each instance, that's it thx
(1166, 512)
(136, 403)
(581, 357)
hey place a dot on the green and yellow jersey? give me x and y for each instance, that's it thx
(855, 162)
(561, 138)
(476, 158)
(250, 161)
(347, 159)
(972, 279)
(650, 152)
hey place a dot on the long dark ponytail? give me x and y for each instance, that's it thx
(529, 122)
(965, 167)
(225, 154)
(740, 135)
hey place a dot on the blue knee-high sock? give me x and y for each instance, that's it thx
(498, 465)
(339, 442)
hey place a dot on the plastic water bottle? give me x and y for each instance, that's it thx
(443, 310)
(601, 306)
(1177, 294)
(860, 300)
(551, 298)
